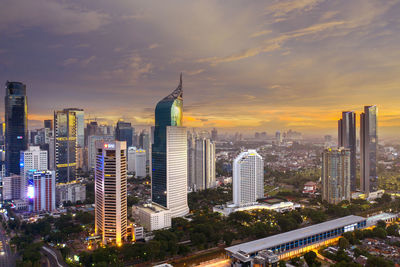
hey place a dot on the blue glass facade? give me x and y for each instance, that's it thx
(168, 112)
(16, 111)
(124, 132)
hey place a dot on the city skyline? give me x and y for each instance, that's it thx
(263, 66)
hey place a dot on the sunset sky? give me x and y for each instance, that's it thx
(247, 65)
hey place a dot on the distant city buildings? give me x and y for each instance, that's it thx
(65, 144)
(347, 139)
(336, 175)
(16, 122)
(368, 149)
(41, 190)
(169, 155)
(248, 178)
(214, 134)
(111, 192)
(92, 153)
(124, 132)
(140, 163)
(70, 192)
(131, 159)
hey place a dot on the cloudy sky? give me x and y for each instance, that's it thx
(247, 65)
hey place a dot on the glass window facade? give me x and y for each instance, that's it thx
(16, 110)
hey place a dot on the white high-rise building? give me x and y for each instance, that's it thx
(248, 178)
(110, 192)
(14, 187)
(131, 159)
(73, 191)
(33, 159)
(140, 163)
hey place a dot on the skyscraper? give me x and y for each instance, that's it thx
(368, 149)
(214, 134)
(169, 155)
(110, 192)
(124, 132)
(347, 139)
(201, 163)
(65, 142)
(80, 126)
(140, 163)
(131, 159)
(16, 112)
(336, 174)
(248, 178)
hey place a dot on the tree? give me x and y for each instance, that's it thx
(282, 263)
(378, 261)
(393, 229)
(344, 243)
(379, 232)
(310, 258)
(228, 238)
(381, 224)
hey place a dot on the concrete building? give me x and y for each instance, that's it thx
(248, 178)
(131, 159)
(41, 190)
(92, 147)
(33, 159)
(73, 192)
(336, 175)
(154, 217)
(80, 126)
(368, 149)
(110, 192)
(14, 187)
(140, 163)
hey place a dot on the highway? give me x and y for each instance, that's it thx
(8, 258)
(52, 260)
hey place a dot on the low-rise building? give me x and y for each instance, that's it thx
(154, 217)
(310, 188)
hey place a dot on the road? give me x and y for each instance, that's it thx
(8, 258)
(52, 258)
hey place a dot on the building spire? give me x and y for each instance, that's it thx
(177, 93)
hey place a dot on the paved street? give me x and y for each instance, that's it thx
(8, 258)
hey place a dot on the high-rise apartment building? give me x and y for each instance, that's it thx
(131, 159)
(110, 192)
(65, 142)
(368, 149)
(124, 132)
(41, 190)
(248, 178)
(347, 139)
(91, 129)
(336, 166)
(169, 155)
(16, 113)
(140, 163)
(13, 187)
(70, 192)
(201, 163)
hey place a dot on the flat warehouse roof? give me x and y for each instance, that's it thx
(271, 241)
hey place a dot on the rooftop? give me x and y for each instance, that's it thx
(271, 241)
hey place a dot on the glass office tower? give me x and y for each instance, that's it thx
(347, 139)
(16, 112)
(368, 149)
(124, 132)
(169, 154)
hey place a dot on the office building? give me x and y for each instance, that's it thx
(70, 192)
(154, 217)
(169, 155)
(92, 152)
(41, 190)
(80, 126)
(201, 163)
(124, 132)
(110, 192)
(16, 113)
(214, 134)
(278, 137)
(248, 178)
(145, 143)
(131, 159)
(48, 124)
(14, 187)
(336, 175)
(140, 163)
(368, 149)
(33, 159)
(91, 129)
(347, 139)
(65, 141)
